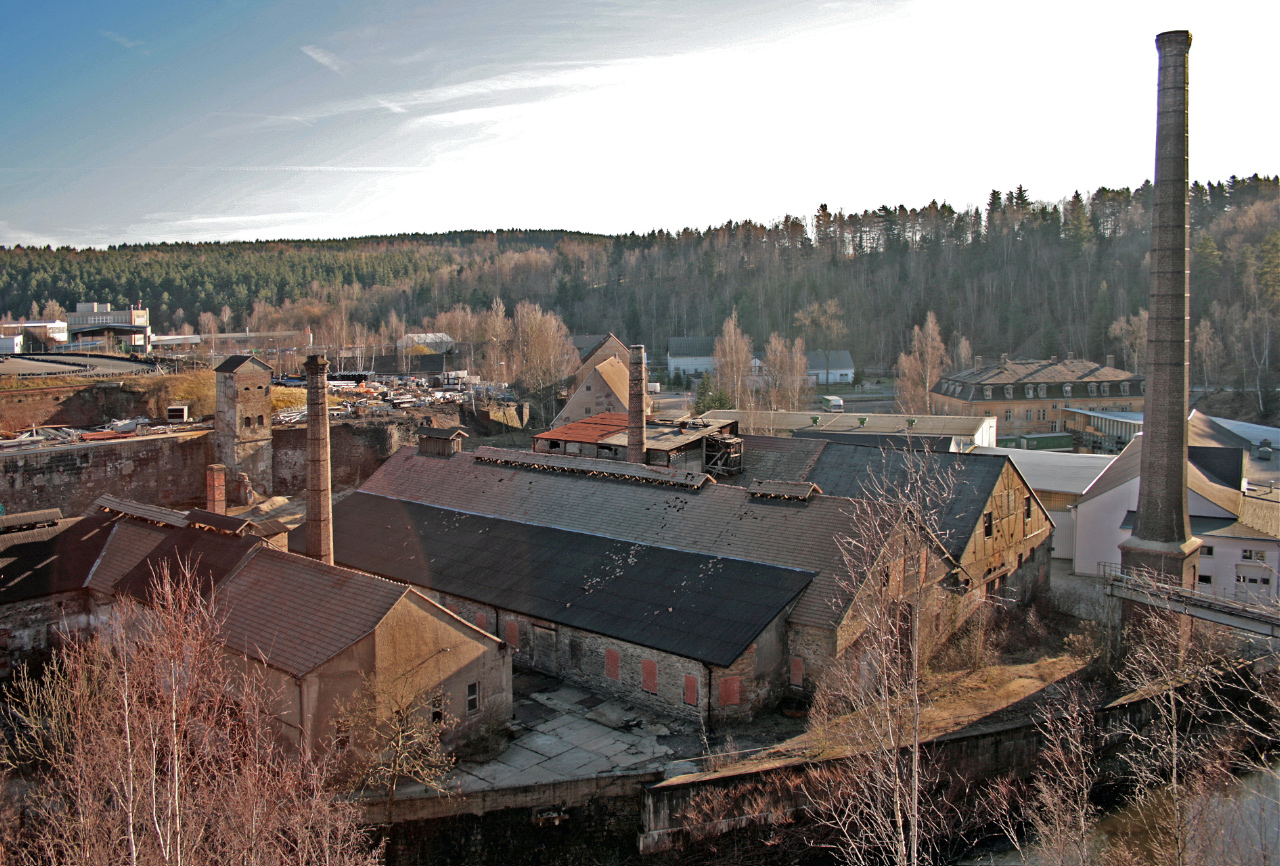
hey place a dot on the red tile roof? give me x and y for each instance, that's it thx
(590, 430)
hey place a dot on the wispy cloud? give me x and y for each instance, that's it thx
(324, 58)
(123, 41)
(391, 106)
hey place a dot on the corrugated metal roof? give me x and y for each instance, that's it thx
(588, 430)
(29, 519)
(592, 466)
(128, 507)
(707, 608)
(295, 613)
(1054, 471)
(716, 519)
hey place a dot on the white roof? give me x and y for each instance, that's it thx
(1054, 471)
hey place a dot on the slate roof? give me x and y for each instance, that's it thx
(716, 519)
(853, 470)
(213, 556)
(839, 422)
(235, 362)
(1025, 371)
(294, 613)
(898, 441)
(707, 608)
(567, 463)
(130, 542)
(691, 347)
(775, 458)
(587, 343)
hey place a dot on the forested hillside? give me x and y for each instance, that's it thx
(1020, 276)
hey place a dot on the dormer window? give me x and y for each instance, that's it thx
(1106, 389)
(1042, 390)
(1008, 392)
(1143, 386)
(1093, 389)
(1124, 389)
(1031, 391)
(986, 392)
(1066, 390)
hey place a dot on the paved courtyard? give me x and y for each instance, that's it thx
(565, 733)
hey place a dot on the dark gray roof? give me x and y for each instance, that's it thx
(24, 520)
(235, 362)
(823, 359)
(707, 608)
(716, 519)
(863, 472)
(691, 347)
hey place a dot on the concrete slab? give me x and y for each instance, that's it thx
(544, 744)
(494, 772)
(567, 763)
(519, 757)
(535, 775)
(568, 694)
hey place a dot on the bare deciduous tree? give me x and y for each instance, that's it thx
(785, 373)
(1131, 333)
(144, 744)
(921, 368)
(733, 363)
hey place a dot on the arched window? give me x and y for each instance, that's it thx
(248, 422)
(1008, 392)
(986, 392)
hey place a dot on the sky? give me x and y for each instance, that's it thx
(183, 120)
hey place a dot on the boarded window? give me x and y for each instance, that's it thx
(482, 621)
(513, 633)
(797, 671)
(729, 692)
(691, 690)
(611, 664)
(649, 676)
(575, 653)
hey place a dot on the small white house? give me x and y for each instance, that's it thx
(11, 345)
(1237, 522)
(691, 356)
(829, 367)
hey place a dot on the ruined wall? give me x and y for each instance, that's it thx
(356, 450)
(159, 470)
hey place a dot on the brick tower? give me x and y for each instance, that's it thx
(1162, 542)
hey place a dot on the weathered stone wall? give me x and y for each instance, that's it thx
(70, 406)
(356, 450)
(159, 470)
(30, 630)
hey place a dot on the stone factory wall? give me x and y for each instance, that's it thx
(356, 450)
(70, 406)
(159, 470)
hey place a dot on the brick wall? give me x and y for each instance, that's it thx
(160, 470)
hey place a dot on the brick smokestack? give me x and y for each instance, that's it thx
(215, 488)
(1162, 540)
(636, 380)
(319, 492)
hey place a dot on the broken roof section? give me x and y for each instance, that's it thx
(704, 607)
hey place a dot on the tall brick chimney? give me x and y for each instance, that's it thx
(636, 380)
(319, 483)
(1162, 540)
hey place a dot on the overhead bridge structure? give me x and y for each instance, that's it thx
(1257, 619)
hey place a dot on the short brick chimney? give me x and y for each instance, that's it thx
(215, 488)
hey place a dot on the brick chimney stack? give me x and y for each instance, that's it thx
(1162, 540)
(636, 381)
(215, 488)
(319, 483)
